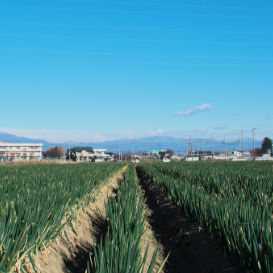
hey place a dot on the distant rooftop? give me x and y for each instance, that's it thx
(80, 149)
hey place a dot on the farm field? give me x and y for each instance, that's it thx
(232, 203)
(118, 217)
(37, 201)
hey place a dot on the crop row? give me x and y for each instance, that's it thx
(37, 201)
(232, 202)
(120, 250)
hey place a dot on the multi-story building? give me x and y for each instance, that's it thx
(13, 151)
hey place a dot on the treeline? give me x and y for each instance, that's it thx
(57, 151)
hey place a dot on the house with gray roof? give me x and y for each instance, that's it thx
(88, 154)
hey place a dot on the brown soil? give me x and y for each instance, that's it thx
(149, 240)
(72, 256)
(190, 249)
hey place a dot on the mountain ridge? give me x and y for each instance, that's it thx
(143, 144)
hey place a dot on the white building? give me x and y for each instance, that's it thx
(235, 155)
(264, 157)
(12, 151)
(89, 154)
(194, 158)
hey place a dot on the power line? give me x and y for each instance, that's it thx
(133, 54)
(147, 63)
(133, 40)
(140, 12)
(134, 28)
(169, 5)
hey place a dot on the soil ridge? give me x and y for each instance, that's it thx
(72, 253)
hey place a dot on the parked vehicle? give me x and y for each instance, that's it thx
(136, 161)
(99, 160)
(165, 159)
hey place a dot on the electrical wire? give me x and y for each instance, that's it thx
(168, 5)
(133, 40)
(146, 63)
(141, 12)
(136, 28)
(127, 54)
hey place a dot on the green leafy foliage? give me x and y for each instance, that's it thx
(121, 251)
(37, 201)
(231, 201)
(266, 145)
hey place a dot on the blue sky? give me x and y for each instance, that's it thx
(104, 70)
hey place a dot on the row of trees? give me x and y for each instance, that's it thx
(57, 151)
(266, 145)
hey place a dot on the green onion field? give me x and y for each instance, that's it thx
(230, 201)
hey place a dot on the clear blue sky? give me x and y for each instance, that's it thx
(103, 70)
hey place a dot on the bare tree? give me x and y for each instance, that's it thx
(169, 153)
(57, 151)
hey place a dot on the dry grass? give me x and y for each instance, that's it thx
(35, 161)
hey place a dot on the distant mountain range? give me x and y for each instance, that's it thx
(143, 144)
(13, 138)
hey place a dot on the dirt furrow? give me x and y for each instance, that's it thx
(176, 261)
(191, 250)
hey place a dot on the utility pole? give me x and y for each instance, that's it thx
(212, 150)
(203, 149)
(133, 149)
(69, 150)
(197, 147)
(242, 143)
(238, 141)
(254, 143)
(119, 152)
(191, 150)
(121, 155)
(225, 147)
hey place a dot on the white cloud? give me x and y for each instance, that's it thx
(220, 127)
(194, 110)
(270, 116)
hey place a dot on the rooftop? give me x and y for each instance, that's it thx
(80, 149)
